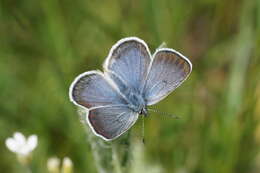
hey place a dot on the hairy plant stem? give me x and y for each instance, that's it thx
(109, 157)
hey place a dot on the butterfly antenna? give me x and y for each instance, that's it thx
(143, 129)
(162, 45)
(163, 113)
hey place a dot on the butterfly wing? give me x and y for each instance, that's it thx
(128, 63)
(111, 121)
(93, 89)
(168, 70)
(108, 114)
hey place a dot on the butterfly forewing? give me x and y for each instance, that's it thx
(91, 89)
(128, 62)
(168, 70)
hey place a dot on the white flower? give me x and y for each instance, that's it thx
(53, 164)
(20, 145)
(67, 165)
(67, 162)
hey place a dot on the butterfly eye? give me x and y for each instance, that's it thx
(143, 112)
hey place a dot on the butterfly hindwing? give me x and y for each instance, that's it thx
(109, 122)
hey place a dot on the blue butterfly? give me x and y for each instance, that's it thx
(132, 80)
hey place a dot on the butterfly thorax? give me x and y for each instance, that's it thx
(136, 102)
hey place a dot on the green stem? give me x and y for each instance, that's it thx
(108, 156)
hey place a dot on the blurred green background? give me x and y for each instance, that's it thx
(45, 44)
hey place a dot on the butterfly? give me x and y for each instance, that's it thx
(132, 80)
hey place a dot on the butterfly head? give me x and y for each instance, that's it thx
(143, 112)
